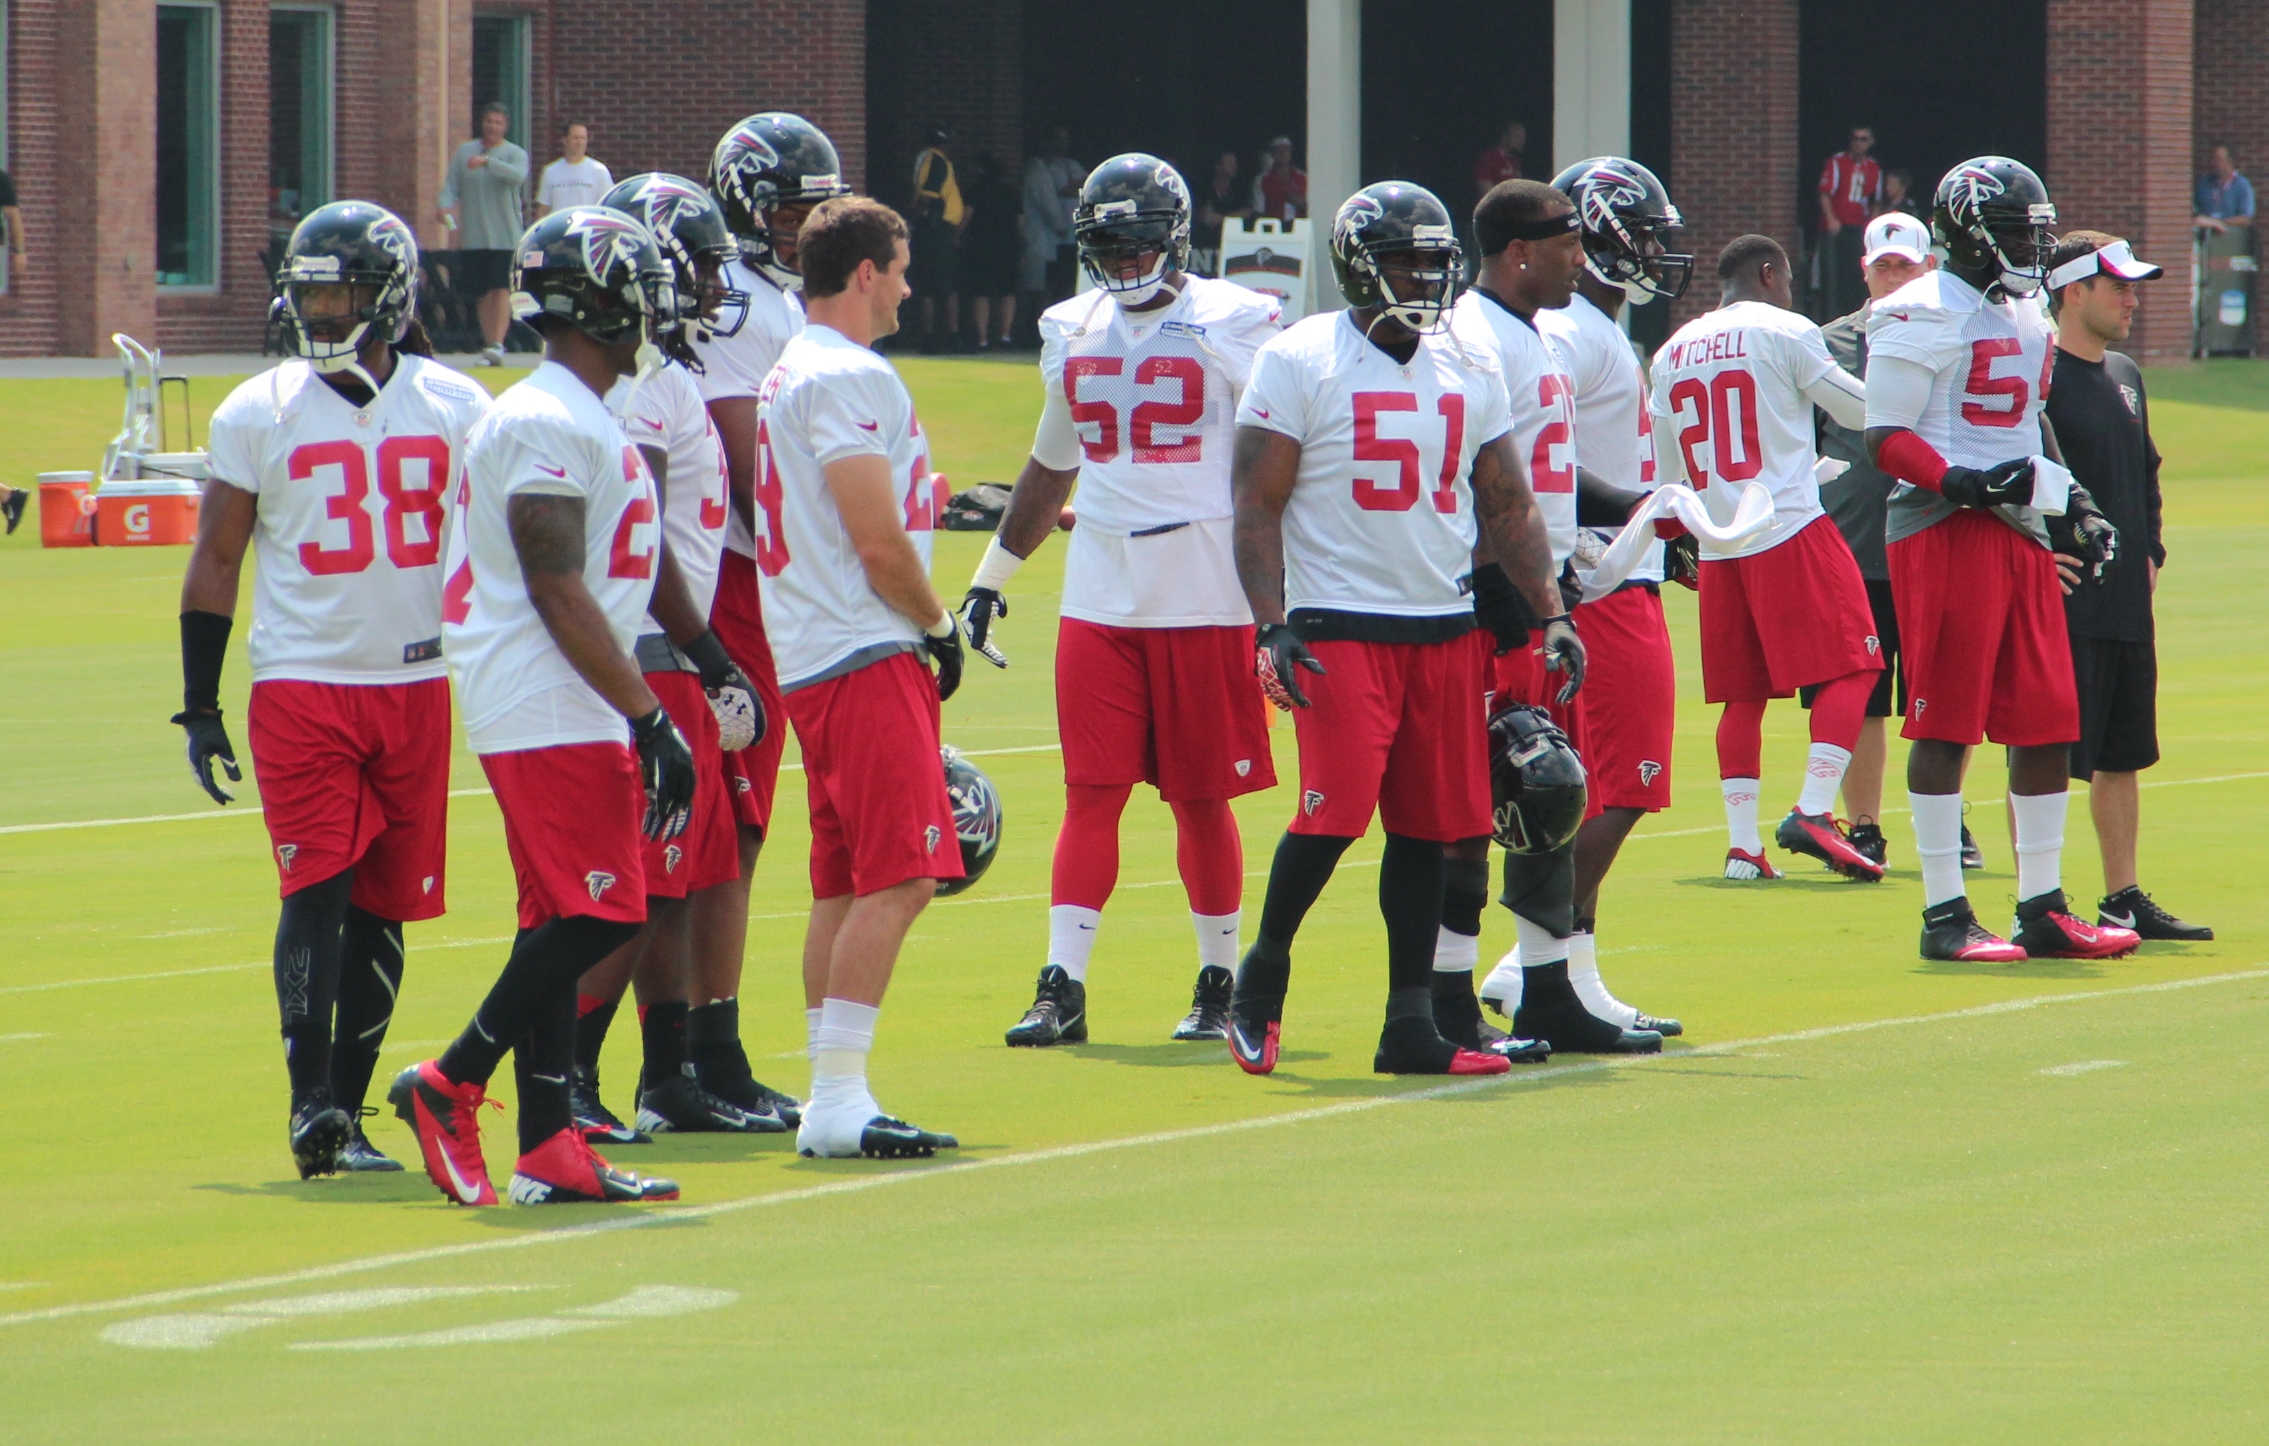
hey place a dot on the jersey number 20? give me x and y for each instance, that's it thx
(1724, 414)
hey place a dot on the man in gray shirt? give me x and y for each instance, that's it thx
(480, 199)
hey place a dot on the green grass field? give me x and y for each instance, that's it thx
(1867, 1199)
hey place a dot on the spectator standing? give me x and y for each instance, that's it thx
(574, 179)
(1222, 200)
(2225, 198)
(1502, 161)
(480, 201)
(12, 219)
(938, 215)
(2103, 426)
(1898, 194)
(991, 246)
(1851, 191)
(1282, 190)
(1051, 186)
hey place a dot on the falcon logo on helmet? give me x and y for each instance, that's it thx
(976, 818)
(1408, 223)
(766, 163)
(1625, 218)
(1992, 214)
(355, 244)
(691, 230)
(1132, 226)
(1536, 782)
(598, 270)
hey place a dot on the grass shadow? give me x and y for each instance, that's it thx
(2062, 970)
(1191, 1054)
(382, 1189)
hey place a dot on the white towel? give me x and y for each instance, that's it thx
(1752, 515)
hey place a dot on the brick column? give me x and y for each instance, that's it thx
(1733, 161)
(418, 106)
(2231, 47)
(2120, 143)
(106, 123)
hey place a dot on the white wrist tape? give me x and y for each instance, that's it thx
(943, 627)
(998, 566)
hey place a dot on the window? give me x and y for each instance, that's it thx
(500, 72)
(188, 145)
(299, 112)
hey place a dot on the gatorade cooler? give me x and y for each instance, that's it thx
(66, 516)
(146, 512)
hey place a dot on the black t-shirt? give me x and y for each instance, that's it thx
(2103, 423)
(1858, 500)
(7, 190)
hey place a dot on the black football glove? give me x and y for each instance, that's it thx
(2005, 484)
(1564, 653)
(945, 650)
(1280, 652)
(2086, 533)
(979, 606)
(208, 740)
(719, 675)
(665, 767)
(1499, 607)
(1682, 560)
(13, 508)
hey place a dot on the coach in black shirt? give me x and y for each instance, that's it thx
(2103, 424)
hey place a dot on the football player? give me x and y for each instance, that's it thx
(846, 509)
(551, 570)
(1374, 468)
(766, 173)
(1733, 393)
(1532, 253)
(684, 661)
(1154, 655)
(1959, 362)
(335, 468)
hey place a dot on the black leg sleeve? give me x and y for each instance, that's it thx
(540, 1066)
(1541, 888)
(370, 978)
(307, 977)
(546, 962)
(1410, 899)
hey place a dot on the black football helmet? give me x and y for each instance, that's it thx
(1992, 215)
(1396, 218)
(1536, 782)
(690, 228)
(976, 817)
(770, 160)
(1129, 205)
(597, 269)
(1626, 219)
(357, 243)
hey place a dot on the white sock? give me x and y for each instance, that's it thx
(811, 1030)
(839, 1049)
(1938, 845)
(1504, 982)
(1217, 938)
(1583, 973)
(1538, 945)
(2040, 841)
(1456, 953)
(1071, 938)
(1823, 775)
(1741, 813)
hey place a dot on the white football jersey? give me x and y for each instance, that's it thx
(1543, 400)
(829, 399)
(1381, 519)
(1613, 433)
(667, 414)
(736, 365)
(1733, 396)
(352, 514)
(1144, 405)
(1991, 362)
(547, 435)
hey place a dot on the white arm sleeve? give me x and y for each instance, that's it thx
(1898, 391)
(1056, 445)
(1843, 397)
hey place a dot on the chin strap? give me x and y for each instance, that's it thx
(650, 363)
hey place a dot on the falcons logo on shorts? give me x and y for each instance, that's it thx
(1919, 705)
(1874, 646)
(285, 853)
(1649, 771)
(598, 881)
(930, 837)
(672, 856)
(1310, 801)
(742, 785)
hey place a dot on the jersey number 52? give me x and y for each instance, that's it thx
(1187, 375)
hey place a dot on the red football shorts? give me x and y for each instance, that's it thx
(708, 852)
(1521, 677)
(1786, 617)
(737, 617)
(1630, 700)
(879, 811)
(1397, 728)
(1176, 708)
(1981, 625)
(571, 822)
(356, 775)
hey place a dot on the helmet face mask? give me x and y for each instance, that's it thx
(1132, 226)
(1993, 215)
(766, 174)
(1395, 251)
(1628, 222)
(350, 273)
(600, 271)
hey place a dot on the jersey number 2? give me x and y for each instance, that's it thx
(403, 502)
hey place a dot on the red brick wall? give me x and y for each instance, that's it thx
(101, 253)
(2231, 101)
(2120, 142)
(233, 318)
(1733, 161)
(28, 312)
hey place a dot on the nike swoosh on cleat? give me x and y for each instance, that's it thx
(2124, 921)
(465, 1192)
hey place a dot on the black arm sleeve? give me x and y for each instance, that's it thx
(2151, 501)
(204, 644)
(1600, 505)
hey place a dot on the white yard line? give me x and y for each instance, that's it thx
(884, 1177)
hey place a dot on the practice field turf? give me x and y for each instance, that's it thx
(1867, 1199)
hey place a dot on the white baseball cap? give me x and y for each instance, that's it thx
(2116, 259)
(1895, 233)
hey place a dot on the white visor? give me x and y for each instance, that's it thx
(2117, 259)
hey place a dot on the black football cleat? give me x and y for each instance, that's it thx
(1209, 1005)
(1868, 839)
(2047, 929)
(1413, 1046)
(752, 1096)
(1667, 1028)
(678, 1105)
(360, 1157)
(1973, 857)
(13, 509)
(1058, 1014)
(1951, 931)
(564, 1170)
(319, 1131)
(887, 1138)
(2131, 908)
(600, 1125)
(1550, 1010)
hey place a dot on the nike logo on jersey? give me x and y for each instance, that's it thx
(870, 426)
(1258, 412)
(1898, 316)
(551, 471)
(649, 421)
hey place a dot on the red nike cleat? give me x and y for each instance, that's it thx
(1822, 836)
(2047, 929)
(445, 1117)
(1743, 866)
(1253, 1055)
(565, 1170)
(1469, 1061)
(1951, 931)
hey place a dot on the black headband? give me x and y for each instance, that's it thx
(1493, 233)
